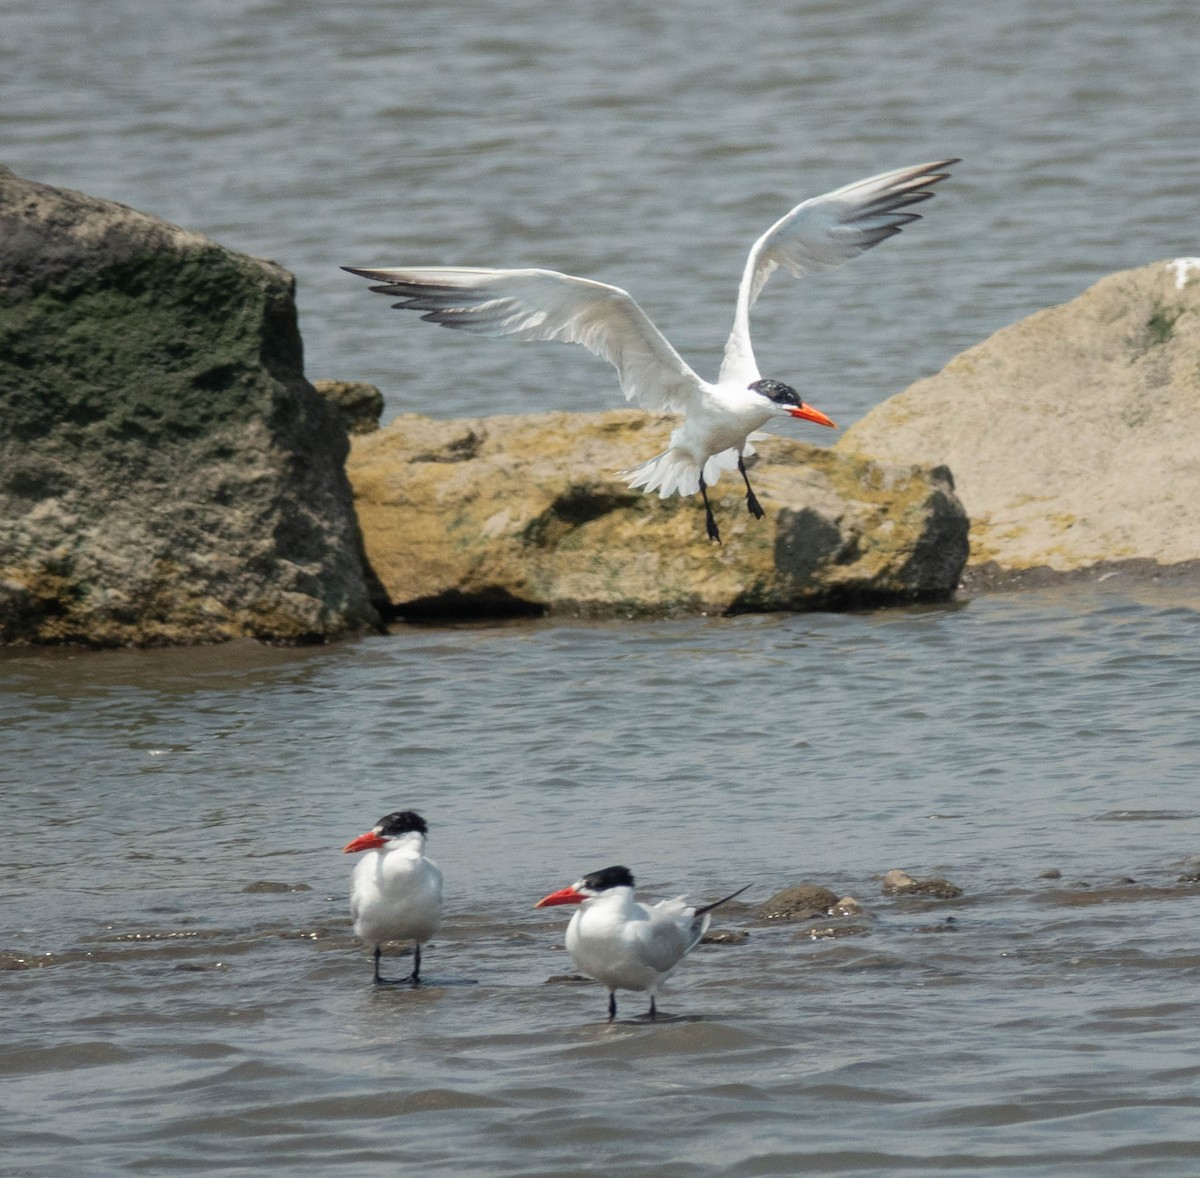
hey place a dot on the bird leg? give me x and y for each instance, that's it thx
(653, 1011)
(710, 522)
(752, 504)
(612, 1005)
(414, 977)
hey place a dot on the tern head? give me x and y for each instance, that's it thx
(389, 827)
(787, 402)
(590, 886)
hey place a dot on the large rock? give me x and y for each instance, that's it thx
(166, 472)
(525, 514)
(359, 406)
(1072, 434)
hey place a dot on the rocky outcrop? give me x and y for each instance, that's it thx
(166, 472)
(525, 514)
(358, 405)
(1072, 434)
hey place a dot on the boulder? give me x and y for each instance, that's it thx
(358, 405)
(798, 902)
(167, 474)
(525, 514)
(1071, 434)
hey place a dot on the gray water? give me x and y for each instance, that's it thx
(182, 993)
(186, 994)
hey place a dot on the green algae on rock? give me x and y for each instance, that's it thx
(167, 474)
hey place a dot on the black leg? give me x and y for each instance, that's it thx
(752, 504)
(414, 977)
(653, 1011)
(612, 1005)
(710, 522)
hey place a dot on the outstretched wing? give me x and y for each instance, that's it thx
(824, 232)
(543, 304)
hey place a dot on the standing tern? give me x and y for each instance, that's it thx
(532, 304)
(625, 944)
(395, 893)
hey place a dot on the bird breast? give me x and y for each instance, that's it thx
(396, 896)
(722, 421)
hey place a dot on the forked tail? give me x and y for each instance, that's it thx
(722, 900)
(702, 917)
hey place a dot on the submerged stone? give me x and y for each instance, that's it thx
(799, 902)
(900, 883)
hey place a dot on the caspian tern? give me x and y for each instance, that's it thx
(396, 893)
(625, 944)
(718, 419)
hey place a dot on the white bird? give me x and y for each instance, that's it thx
(625, 944)
(718, 419)
(396, 893)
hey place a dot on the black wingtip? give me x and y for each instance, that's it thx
(375, 274)
(937, 173)
(933, 173)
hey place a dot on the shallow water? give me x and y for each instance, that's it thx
(182, 992)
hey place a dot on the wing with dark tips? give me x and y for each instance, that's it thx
(824, 232)
(547, 305)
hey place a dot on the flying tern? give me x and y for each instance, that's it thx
(718, 419)
(623, 943)
(396, 893)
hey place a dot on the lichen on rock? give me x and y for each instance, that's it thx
(527, 514)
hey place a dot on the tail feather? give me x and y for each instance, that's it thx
(668, 473)
(702, 917)
(675, 473)
(722, 900)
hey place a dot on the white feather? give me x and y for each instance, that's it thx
(547, 305)
(824, 232)
(533, 304)
(396, 893)
(628, 945)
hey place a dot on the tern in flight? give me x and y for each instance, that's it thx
(623, 943)
(718, 419)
